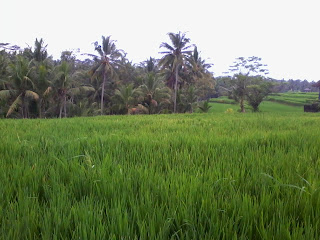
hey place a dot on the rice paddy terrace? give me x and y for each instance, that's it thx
(184, 176)
(278, 102)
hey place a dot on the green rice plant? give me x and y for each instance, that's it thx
(181, 176)
(294, 98)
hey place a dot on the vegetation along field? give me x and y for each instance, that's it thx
(276, 102)
(190, 176)
(294, 98)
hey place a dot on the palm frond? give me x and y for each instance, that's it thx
(167, 46)
(32, 95)
(166, 60)
(5, 94)
(14, 105)
(47, 91)
(81, 89)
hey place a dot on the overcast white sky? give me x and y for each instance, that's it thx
(284, 33)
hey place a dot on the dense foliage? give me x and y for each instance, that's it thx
(32, 84)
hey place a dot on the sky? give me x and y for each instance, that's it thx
(284, 33)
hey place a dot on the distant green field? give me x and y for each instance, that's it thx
(265, 106)
(182, 176)
(280, 102)
(294, 98)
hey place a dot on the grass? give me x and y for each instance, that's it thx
(294, 98)
(265, 106)
(222, 100)
(279, 102)
(188, 176)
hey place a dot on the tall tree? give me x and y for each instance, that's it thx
(154, 92)
(199, 75)
(61, 86)
(42, 83)
(42, 72)
(242, 69)
(21, 86)
(109, 56)
(257, 91)
(40, 51)
(125, 97)
(174, 58)
(150, 65)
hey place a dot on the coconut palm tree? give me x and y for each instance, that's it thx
(40, 51)
(198, 75)
(42, 85)
(190, 97)
(197, 66)
(174, 58)
(125, 98)
(20, 86)
(109, 55)
(65, 90)
(150, 65)
(154, 92)
(61, 85)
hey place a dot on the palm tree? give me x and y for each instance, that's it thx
(125, 97)
(61, 86)
(197, 66)
(42, 85)
(174, 58)
(40, 51)
(109, 55)
(154, 92)
(43, 66)
(199, 75)
(65, 89)
(205, 107)
(21, 86)
(150, 65)
(190, 97)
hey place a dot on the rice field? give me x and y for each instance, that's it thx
(294, 98)
(183, 176)
(276, 102)
(265, 106)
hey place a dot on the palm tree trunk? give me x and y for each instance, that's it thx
(102, 91)
(60, 111)
(242, 105)
(175, 90)
(23, 109)
(65, 106)
(40, 107)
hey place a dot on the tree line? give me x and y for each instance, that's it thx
(34, 85)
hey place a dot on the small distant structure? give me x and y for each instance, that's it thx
(307, 90)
